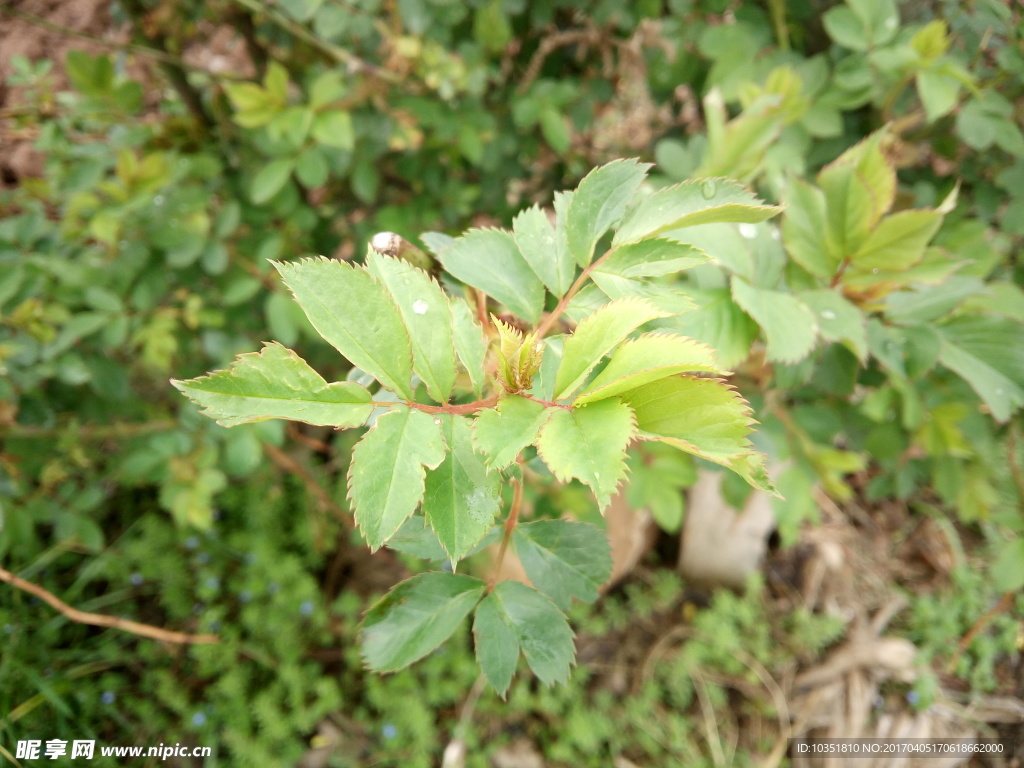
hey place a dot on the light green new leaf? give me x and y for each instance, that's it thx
(648, 358)
(515, 617)
(589, 443)
(276, 384)
(805, 230)
(898, 242)
(489, 259)
(790, 326)
(356, 315)
(428, 320)
(599, 202)
(386, 478)
(859, 186)
(415, 617)
(988, 353)
(503, 432)
(564, 559)
(595, 336)
(461, 499)
(655, 257)
(470, 343)
(700, 416)
(545, 250)
(838, 319)
(707, 201)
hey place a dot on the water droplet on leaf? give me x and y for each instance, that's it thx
(708, 189)
(828, 314)
(420, 307)
(748, 231)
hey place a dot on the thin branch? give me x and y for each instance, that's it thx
(88, 431)
(1004, 603)
(340, 55)
(289, 464)
(557, 312)
(510, 525)
(455, 752)
(103, 620)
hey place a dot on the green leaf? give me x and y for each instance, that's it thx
(544, 249)
(837, 319)
(791, 328)
(311, 168)
(428, 320)
(1008, 568)
(648, 358)
(503, 432)
(859, 186)
(564, 559)
(415, 617)
(356, 316)
(655, 257)
(692, 202)
(666, 298)
(461, 500)
(489, 259)
(988, 353)
(515, 617)
(805, 230)
(595, 336)
(276, 384)
(720, 324)
(470, 344)
(898, 242)
(270, 179)
(589, 443)
(386, 477)
(845, 28)
(599, 202)
(334, 129)
(700, 416)
(414, 537)
(938, 91)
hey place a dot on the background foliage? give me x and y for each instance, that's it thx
(142, 253)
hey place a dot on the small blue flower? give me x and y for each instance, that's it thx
(136, 579)
(389, 731)
(250, 558)
(913, 697)
(108, 697)
(191, 542)
(198, 608)
(199, 719)
(273, 588)
(215, 626)
(306, 609)
(245, 596)
(212, 582)
(203, 558)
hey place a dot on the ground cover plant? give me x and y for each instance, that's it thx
(158, 158)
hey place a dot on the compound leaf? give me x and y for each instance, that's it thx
(415, 617)
(645, 359)
(428, 320)
(898, 242)
(599, 202)
(791, 328)
(356, 315)
(515, 617)
(460, 500)
(277, 384)
(545, 249)
(596, 335)
(705, 201)
(589, 443)
(564, 559)
(503, 432)
(386, 478)
(489, 259)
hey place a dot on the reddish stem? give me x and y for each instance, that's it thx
(510, 525)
